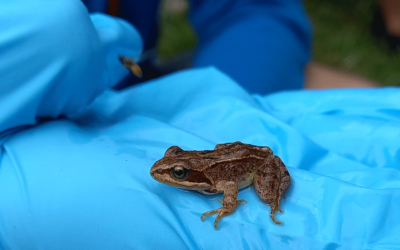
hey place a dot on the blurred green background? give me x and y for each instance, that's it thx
(341, 37)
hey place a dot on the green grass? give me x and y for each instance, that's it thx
(341, 39)
(176, 35)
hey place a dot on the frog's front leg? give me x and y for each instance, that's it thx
(229, 202)
(271, 182)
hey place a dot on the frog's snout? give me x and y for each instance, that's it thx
(155, 172)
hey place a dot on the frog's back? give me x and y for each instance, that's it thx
(235, 162)
(239, 149)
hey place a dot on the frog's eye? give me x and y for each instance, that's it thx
(180, 172)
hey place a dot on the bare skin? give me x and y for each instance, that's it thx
(391, 15)
(319, 76)
(226, 169)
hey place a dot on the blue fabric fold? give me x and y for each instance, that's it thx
(83, 182)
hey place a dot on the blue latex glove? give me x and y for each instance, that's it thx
(84, 183)
(56, 58)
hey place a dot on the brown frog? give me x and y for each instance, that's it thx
(226, 169)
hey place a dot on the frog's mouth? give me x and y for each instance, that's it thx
(164, 176)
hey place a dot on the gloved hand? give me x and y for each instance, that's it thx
(56, 58)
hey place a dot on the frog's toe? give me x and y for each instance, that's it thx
(222, 213)
(238, 202)
(215, 211)
(279, 209)
(217, 220)
(275, 220)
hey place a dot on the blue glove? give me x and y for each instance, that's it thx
(84, 182)
(56, 58)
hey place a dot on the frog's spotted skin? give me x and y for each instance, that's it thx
(226, 169)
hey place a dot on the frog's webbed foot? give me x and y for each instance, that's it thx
(221, 213)
(229, 201)
(271, 182)
(238, 202)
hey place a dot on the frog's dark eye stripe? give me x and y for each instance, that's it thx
(180, 172)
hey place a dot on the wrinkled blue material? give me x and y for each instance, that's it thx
(84, 183)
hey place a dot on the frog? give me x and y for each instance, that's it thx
(226, 169)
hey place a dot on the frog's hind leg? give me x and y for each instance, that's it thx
(229, 202)
(271, 182)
